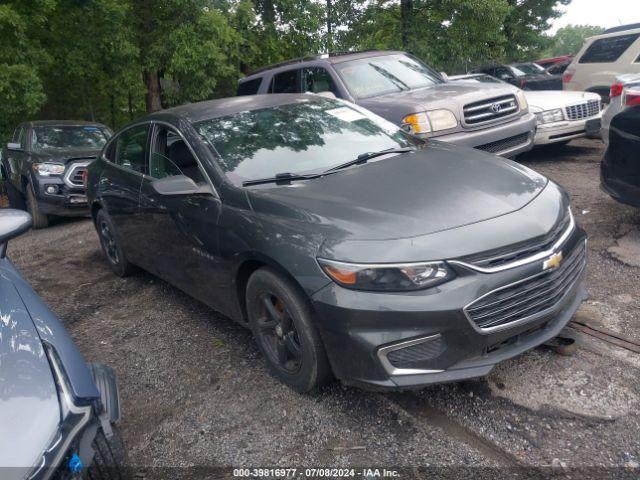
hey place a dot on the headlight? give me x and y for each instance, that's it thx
(46, 169)
(387, 277)
(432, 121)
(550, 116)
(522, 100)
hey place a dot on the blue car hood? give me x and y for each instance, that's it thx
(29, 408)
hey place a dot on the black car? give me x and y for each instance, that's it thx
(349, 247)
(44, 164)
(620, 168)
(528, 76)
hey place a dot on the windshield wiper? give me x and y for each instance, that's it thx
(365, 157)
(281, 178)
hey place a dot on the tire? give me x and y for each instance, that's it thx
(283, 326)
(40, 220)
(110, 457)
(110, 247)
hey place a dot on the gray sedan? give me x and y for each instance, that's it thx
(349, 247)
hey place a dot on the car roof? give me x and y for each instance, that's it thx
(60, 123)
(196, 112)
(332, 58)
(622, 28)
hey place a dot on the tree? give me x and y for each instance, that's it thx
(525, 24)
(569, 40)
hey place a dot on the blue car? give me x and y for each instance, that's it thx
(57, 413)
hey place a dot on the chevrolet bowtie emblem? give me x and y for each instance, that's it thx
(553, 261)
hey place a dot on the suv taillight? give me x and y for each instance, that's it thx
(616, 90)
(568, 75)
(632, 98)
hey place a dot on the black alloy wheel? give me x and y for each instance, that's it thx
(109, 243)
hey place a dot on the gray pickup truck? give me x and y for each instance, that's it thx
(405, 91)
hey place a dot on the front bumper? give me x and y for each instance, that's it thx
(564, 131)
(495, 138)
(360, 328)
(66, 201)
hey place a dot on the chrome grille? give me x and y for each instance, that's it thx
(74, 174)
(583, 110)
(530, 296)
(491, 109)
(513, 253)
(505, 144)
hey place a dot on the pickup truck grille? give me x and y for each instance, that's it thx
(583, 110)
(74, 174)
(528, 297)
(491, 109)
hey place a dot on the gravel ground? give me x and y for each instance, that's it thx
(196, 393)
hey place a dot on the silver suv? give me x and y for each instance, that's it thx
(405, 91)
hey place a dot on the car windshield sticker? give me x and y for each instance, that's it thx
(346, 114)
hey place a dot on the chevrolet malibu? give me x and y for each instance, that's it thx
(349, 248)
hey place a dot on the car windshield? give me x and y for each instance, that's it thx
(373, 76)
(529, 68)
(56, 137)
(310, 136)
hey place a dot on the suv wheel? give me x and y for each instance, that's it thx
(109, 460)
(282, 324)
(40, 220)
(110, 247)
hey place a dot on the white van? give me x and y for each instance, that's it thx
(602, 58)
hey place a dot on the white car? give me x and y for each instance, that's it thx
(624, 93)
(563, 116)
(602, 58)
(560, 116)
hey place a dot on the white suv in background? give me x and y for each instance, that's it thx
(602, 58)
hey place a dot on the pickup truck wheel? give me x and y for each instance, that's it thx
(282, 323)
(110, 246)
(109, 460)
(40, 220)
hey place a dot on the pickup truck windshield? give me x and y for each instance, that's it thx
(299, 138)
(66, 137)
(373, 76)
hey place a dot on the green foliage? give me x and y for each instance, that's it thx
(569, 40)
(111, 60)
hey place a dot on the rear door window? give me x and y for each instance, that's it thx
(608, 50)
(250, 87)
(131, 149)
(286, 82)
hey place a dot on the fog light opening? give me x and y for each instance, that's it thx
(51, 189)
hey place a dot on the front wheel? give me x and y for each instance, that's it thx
(110, 246)
(282, 323)
(109, 460)
(40, 220)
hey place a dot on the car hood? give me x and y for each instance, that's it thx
(451, 95)
(441, 187)
(29, 408)
(67, 154)
(550, 99)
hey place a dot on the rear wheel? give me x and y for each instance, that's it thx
(110, 246)
(40, 220)
(282, 324)
(109, 460)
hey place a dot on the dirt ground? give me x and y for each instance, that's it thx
(195, 391)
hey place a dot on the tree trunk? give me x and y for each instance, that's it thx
(152, 82)
(329, 27)
(406, 8)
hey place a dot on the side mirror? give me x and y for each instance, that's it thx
(178, 185)
(444, 76)
(12, 224)
(14, 146)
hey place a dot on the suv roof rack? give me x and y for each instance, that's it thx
(308, 59)
(622, 28)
